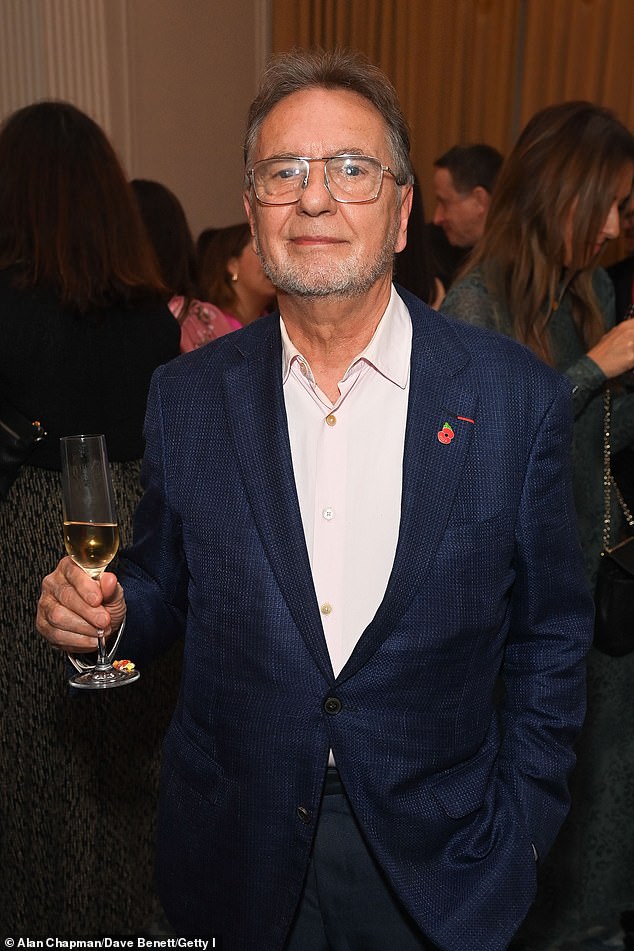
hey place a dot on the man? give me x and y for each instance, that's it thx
(358, 513)
(463, 181)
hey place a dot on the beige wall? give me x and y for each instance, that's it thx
(169, 80)
(193, 69)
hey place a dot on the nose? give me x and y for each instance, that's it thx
(611, 228)
(438, 216)
(315, 198)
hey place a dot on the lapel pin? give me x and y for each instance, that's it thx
(446, 434)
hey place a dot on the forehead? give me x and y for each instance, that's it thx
(443, 183)
(320, 122)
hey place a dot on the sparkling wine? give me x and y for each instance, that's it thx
(92, 545)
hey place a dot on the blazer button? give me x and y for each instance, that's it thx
(333, 705)
(303, 814)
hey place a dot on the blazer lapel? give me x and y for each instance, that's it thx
(439, 394)
(431, 468)
(257, 419)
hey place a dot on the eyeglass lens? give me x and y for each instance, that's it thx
(348, 178)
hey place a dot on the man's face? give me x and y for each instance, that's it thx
(461, 215)
(318, 247)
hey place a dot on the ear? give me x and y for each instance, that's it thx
(246, 199)
(233, 265)
(482, 197)
(407, 192)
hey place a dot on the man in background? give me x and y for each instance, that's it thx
(464, 177)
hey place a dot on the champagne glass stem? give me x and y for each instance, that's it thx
(102, 654)
(103, 661)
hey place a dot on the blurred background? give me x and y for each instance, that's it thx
(171, 80)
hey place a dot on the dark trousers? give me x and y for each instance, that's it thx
(347, 903)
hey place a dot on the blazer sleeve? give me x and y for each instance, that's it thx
(550, 633)
(153, 571)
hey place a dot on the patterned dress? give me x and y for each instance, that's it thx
(79, 769)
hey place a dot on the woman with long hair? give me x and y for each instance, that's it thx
(534, 276)
(231, 275)
(83, 325)
(169, 232)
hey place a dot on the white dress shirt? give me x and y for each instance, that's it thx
(348, 466)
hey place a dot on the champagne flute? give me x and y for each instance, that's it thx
(91, 537)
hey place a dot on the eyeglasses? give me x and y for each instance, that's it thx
(350, 179)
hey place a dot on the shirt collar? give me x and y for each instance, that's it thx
(388, 351)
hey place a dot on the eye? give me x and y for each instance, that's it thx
(352, 169)
(286, 172)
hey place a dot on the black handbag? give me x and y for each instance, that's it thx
(18, 436)
(614, 593)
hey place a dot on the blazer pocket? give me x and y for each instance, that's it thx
(195, 767)
(482, 536)
(462, 789)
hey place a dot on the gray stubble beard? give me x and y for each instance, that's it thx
(345, 281)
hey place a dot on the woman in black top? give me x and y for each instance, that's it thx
(82, 327)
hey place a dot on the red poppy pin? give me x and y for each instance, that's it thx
(446, 434)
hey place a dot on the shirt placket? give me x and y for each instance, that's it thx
(329, 531)
(330, 542)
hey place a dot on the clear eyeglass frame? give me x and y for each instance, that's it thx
(341, 173)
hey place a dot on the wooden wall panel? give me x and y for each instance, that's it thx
(579, 49)
(476, 70)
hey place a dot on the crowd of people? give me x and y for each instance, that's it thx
(358, 461)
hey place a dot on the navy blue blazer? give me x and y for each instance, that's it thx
(456, 712)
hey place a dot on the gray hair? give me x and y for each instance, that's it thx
(302, 69)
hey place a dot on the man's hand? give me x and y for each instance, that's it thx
(74, 610)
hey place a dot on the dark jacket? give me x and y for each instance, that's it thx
(451, 784)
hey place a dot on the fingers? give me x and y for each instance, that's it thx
(71, 610)
(614, 353)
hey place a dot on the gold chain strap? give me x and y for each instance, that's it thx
(609, 482)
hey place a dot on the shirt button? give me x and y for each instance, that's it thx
(303, 814)
(331, 419)
(328, 514)
(333, 705)
(326, 608)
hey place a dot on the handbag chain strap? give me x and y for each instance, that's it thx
(609, 482)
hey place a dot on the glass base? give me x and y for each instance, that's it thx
(102, 679)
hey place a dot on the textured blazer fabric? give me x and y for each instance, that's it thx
(454, 717)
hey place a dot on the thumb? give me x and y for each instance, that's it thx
(113, 598)
(109, 586)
